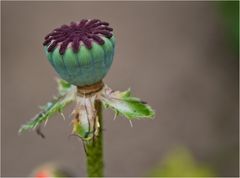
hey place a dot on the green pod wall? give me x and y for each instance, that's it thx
(87, 66)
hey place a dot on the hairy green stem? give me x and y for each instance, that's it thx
(95, 148)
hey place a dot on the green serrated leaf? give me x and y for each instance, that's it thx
(48, 110)
(130, 107)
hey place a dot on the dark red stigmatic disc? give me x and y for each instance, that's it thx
(85, 31)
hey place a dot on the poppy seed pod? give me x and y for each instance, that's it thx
(81, 53)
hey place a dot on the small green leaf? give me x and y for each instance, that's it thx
(65, 97)
(130, 107)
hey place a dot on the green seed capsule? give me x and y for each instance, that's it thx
(85, 54)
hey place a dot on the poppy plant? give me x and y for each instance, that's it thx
(82, 54)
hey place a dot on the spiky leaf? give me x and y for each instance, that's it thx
(126, 105)
(66, 96)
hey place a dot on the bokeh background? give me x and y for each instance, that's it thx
(181, 57)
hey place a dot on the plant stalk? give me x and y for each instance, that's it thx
(95, 148)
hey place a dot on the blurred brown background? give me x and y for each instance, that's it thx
(175, 55)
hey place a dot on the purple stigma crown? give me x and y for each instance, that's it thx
(86, 31)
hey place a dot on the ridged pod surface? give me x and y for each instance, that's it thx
(84, 53)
